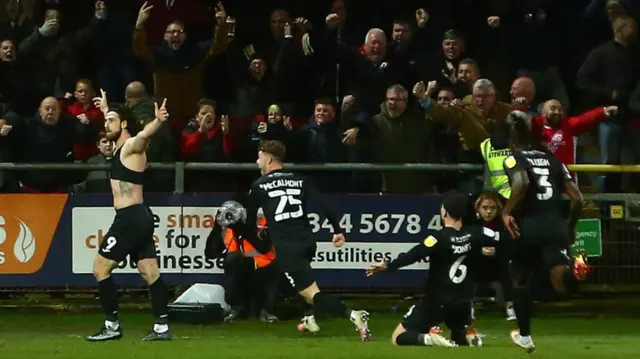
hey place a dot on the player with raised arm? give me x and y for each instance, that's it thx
(533, 217)
(453, 253)
(284, 197)
(131, 233)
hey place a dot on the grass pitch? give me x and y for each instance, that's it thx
(27, 334)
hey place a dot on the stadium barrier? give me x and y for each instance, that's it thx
(50, 240)
(179, 168)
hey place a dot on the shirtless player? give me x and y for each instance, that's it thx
(131, 233)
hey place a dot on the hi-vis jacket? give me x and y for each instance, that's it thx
(233, 244)
(494, 159)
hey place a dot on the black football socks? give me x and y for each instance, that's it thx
(159, 302)
(109, 301)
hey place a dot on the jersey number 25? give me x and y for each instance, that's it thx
(288, 198)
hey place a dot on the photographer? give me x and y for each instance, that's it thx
(248, 267)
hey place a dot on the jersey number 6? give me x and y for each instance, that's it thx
(458, 271)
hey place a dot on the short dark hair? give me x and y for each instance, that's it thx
(324, 101)
(455, 203)
(448, 88)
(133, 127)
(205, 102)
(404, 20)
(179, 23)
(453, 34)
(275, 148)
(85, 81)
(102, 135)
(471, 62)
(520, 136)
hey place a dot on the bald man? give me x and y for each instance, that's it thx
(279, 18)
(523, 93)
(141, 105)
(48, 137)
(556, 131)
(134, 92)
(162, 144)
(49, 111)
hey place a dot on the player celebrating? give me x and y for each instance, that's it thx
(453, 253)
(284, 197)
(538, 180)
(132, 230)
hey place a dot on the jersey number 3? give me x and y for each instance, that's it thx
(543, 183)
(287, 200)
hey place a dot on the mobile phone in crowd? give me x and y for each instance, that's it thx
(231, 21)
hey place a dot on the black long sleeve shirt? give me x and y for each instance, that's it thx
(610, 67)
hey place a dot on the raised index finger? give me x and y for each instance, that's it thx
(164, 103)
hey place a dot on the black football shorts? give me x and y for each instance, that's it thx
(294, 261)
(544, 240)
(426, 314)
(130, 234)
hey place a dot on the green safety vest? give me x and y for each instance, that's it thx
(494, 160)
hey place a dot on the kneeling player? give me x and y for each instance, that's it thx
(453, 252)
(538, 180)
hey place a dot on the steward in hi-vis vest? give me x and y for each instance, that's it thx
(247, 265)
(494, 152)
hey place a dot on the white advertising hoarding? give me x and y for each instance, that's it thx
(181, 234)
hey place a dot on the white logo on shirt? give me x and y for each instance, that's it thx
(556, 141)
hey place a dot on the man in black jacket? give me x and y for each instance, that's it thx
(48, 137)
(7, 119)
(608, 76)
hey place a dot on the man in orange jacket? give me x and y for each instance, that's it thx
(249, 267)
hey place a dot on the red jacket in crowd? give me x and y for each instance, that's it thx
(192, 140)
(85, 150)
(560, 140)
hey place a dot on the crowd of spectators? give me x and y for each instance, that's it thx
(336, 81)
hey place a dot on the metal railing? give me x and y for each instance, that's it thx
(180, 167)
